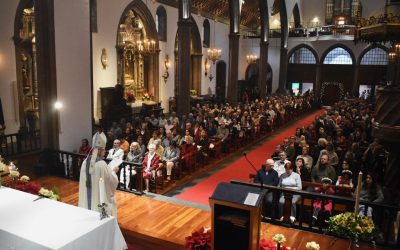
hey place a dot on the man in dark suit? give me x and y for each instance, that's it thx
(268, 176)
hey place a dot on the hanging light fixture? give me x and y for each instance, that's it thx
(214, 54)
(251, 58)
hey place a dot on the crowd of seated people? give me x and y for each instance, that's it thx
(331, 151)
(184, 143)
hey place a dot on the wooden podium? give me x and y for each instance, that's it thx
(236, 217)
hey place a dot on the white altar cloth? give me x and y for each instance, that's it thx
(47, 224)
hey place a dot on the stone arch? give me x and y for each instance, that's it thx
(331, 48)
(293, 50)
(368, 49)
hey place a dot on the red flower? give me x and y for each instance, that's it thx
(30, 187)
(267, 245)
(199, 238)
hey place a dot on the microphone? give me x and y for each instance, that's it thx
(255, 169)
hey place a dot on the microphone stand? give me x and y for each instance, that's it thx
(255, 169)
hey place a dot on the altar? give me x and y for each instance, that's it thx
(31, 224)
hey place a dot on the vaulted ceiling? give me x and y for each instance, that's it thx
(219, 9)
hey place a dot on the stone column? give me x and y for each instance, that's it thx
(46, 74)
(283, 72)
(264, 37)
(234, 29)
(284, 42)
(233, 68)
(183, 98)
(355, 87)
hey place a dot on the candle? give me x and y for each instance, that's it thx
(102, 188)
(358, 191)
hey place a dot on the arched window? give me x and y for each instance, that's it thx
(338, 56)
(375, 56)
(161, 23)
(302, 56)
(206, 33)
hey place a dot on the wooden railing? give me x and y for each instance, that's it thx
(385, 216)
(19, 143)
(68, 165)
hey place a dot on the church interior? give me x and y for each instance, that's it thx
(200, 124)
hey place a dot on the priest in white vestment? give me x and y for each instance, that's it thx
(93, 168)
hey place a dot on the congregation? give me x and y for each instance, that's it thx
(340, 144)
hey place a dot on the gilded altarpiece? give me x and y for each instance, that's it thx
(133, 49)
(28, 94)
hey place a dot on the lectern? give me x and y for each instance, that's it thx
(236, 217)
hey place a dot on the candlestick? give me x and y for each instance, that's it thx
(358, 191)
(102, 189)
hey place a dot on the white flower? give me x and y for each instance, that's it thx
(312, 245)
(14, 173)
(45, 192)
(279, 238)
(25, 178)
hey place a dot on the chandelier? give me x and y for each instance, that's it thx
(251, 58)
(214, 54)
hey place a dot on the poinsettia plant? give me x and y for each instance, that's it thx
(199, 240)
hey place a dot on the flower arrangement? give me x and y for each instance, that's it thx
(272, 245)
(147, 96)
(28, 187)
(130, 97)
(279, 238)
(312, 245)
(193, 92)
(350, 226)
(51, 194)
(199, 240)
(14, 174)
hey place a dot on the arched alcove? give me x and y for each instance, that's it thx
(138, 67)
(337, 65)
(161, 23)
(373, 68)
(302, 68)
(206, 33)
(196, 59)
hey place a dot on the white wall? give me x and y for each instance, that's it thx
(313, 9)
(8, 9)
(73, 71)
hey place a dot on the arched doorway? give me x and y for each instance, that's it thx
(220, 83)
(138, 51)
(196, 59)
(251, 83)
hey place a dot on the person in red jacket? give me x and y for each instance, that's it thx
(150, 163)
(318, 204)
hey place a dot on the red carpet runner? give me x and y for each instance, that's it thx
(239, 169)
